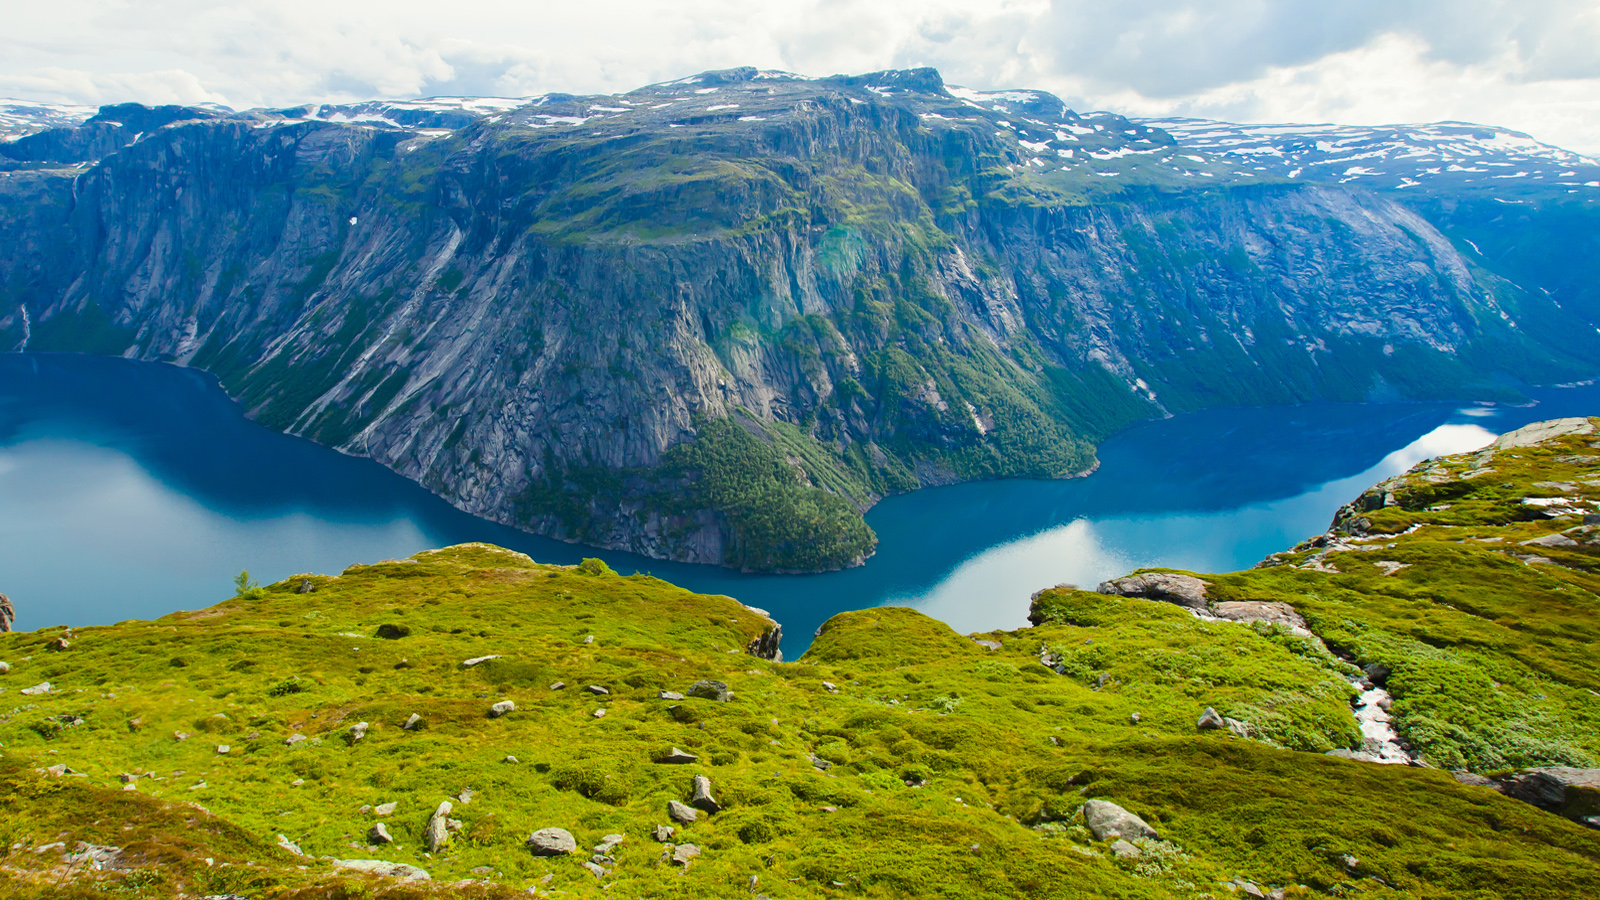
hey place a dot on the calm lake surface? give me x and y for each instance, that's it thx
(131, 490)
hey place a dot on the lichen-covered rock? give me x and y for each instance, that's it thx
(1107, 820)
(681, 812)
(552, 842)
(710, 690)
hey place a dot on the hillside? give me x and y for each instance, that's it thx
(714, 320)
(200, 753)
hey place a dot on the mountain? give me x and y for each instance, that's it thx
(1441, 155)
(470, 700)
(716, 319)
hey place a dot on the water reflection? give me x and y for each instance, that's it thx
(129, 490)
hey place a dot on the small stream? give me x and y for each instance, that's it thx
(1379, 742)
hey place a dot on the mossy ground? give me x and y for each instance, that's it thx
(946, 769)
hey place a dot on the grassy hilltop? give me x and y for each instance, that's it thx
(895, 758)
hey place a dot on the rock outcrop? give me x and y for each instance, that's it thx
(1184, 590)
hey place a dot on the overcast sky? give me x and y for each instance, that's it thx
(1532, 65)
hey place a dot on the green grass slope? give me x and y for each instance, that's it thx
(895, 759)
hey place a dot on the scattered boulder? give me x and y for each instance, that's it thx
(1377, 673)
(1184, 590)
(386, 809)
(290, 846)
(501, 708)
(379, 834)
(358, 731)
(600, 713)
(663, 833)
(223, 748)
(1107, 820)
(293, 739)
(552, 842)
(987, 645)
(1559, 541)
(1210, 720)
(43, 687)
(599, 690)
(57, 770)
(710, 690)
(678, 757)
(682, 853)
(559, 685)
(609, 843)
(1571, 792)
(478, 660)
(765, 646)
(700, 798)
(413, 722)
(60, 643)
(1121, 849)
(306, 586)
(5, 668)
(399, 871)
(595, 868)
(1268, 611)
(681, 813)
(465, 796)
(390, 631)
(668, 695)
(437, 832)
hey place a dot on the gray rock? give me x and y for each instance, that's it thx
(1121, 849)
(1210, 720)
(8, 613)
(465, 796)
(478, 660)
(501, 708)
(399, 871)
(552, 842)
(386, 809)
(379, 834)
(609, 843)
(1559, 541)
(413, 722)
(1552, 787)
(290, 846)
(293, 739)
(437, 832)
(43, 687)
(668, 695)
(1475, 780)
(1272, 613)
(1107, 820)
(358, 731)
(663, 833)
(1377, 673)
(987, 645)
(1528, 435)
(701, 798)
(5, 668)
(598, 690)
(678, 757)
(1238, 728)
(595, 868)
(710, 690)
(558, 686)
(1184, 590)
(306, 586)
(682, 853)
(681, 813)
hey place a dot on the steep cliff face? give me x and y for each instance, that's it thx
(715, 320)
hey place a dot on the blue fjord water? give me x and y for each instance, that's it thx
(130, 490)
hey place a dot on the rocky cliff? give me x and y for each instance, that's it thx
(714, 320)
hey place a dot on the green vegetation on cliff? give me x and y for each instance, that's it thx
(895, 758)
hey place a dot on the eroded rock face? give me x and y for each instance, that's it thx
(1184, 590)
(494, 342)
(8, 613)
(1107, 820)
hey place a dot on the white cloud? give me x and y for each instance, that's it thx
(1528, 66)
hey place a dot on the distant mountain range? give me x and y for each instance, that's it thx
(716, 319)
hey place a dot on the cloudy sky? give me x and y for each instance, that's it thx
(1531, 65)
